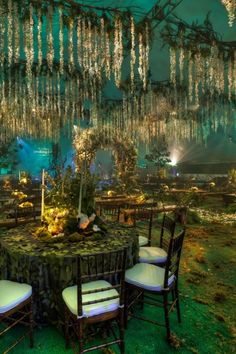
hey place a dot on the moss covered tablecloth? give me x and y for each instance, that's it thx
(50, 267)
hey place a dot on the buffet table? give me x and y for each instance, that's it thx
(50, 267)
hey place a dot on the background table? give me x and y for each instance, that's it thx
(119, 201)
(50, 267)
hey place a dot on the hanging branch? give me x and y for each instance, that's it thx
(76, 7)
(194, 36)
(109, 9)
(159, 13)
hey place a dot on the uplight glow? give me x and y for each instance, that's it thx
(174, 161)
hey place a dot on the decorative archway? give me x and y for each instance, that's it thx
(87, 142)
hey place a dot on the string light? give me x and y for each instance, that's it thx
(230, 6)
(39, 95)
(50, 49)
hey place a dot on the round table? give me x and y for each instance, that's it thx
(50, 267)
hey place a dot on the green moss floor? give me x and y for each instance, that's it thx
(208, 304)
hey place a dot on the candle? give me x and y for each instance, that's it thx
(82, 177)
(43, 190)
(80, 191)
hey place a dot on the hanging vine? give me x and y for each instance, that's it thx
(66, 68)
(207, 60)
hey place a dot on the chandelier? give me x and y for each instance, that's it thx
(230, 6)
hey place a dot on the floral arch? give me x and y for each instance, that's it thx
(87, 142)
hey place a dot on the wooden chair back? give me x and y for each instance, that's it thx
(173, 257)
(109, 266)
(110, 210)
(167, 231)
(141, 210)
(26, 213)
(144, 213)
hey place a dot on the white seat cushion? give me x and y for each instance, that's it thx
(142, 241)
(147, 276)
(155, 255)
(13, 294)
(70, 297)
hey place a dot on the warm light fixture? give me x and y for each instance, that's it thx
(174, 156)
(173, 161)
(24, 180)
(230, 6)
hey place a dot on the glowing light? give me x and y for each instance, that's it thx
(174, 161)
(176, 155)
(24, 180)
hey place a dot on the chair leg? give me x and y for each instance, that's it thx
(67, 329)
(173, 295)
(31, 325)
(166, 311)
(177, 304)
(126, 311)
(118, 216)
(80, 334)
(122, 331)
(142, 300)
